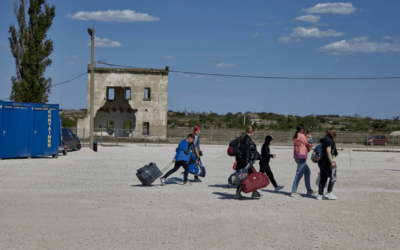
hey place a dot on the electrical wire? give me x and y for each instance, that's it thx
(52, 86)
(264, 77)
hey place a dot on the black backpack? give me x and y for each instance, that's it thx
(235, 146)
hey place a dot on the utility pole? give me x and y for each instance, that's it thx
(91, 122)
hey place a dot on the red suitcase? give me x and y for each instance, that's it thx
(254, 181)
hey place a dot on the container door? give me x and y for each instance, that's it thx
(46, 131)
(15, 132)
(39, 132)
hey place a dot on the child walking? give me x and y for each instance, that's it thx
(264, 162)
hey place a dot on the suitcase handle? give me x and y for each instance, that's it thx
(168, 166)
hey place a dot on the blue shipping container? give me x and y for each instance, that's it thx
(29, 129)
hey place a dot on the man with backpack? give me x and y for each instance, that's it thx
(181, 159)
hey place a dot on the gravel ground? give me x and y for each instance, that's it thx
(90, 200)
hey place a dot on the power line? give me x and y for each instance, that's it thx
(265, 77)
(52, 86)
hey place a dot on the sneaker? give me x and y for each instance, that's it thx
(197, 179)
(330, 196)
(187, 184)
(162, 181)
(311, 192)
(320, 197)
(238, 196)
(279, 188)
(256, 195)
(294, 195)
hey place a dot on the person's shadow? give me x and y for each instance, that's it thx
(226, 196)
(287, 193)
(222, 186)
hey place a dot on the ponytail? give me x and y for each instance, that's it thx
(298, 129)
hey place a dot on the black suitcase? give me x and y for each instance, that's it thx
(148, 174)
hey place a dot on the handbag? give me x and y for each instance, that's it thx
(237, 177)
(319, 178)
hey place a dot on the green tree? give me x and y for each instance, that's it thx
(31, 49)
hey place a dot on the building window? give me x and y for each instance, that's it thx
(110, 94)
(127, 127)
(146, 128)
(110, 124)
(127, 93)
(147, 94)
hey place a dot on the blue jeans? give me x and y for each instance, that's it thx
(302, 169)
(179, 164)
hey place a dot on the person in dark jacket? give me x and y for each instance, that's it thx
(248, 156)
(264, 162)
(326, 165)
(181, 159)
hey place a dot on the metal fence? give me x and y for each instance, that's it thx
(116, 137)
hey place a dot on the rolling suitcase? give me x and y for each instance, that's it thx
(149, 173)
(254, 181)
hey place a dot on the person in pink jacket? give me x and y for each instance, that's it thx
(301, 148)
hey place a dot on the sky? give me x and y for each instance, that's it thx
(289, 38)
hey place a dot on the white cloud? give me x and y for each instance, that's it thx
(261, 24)
(74, 57)
(225, 65)
(186, 75)
(300, 33)
(105, 43)
(332, 8)
(255, 35)
(359, 45)
(120, 16)
(308, 18)
(387, 37)
(200, 76)
(169, 57)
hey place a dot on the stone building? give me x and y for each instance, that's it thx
(128, 102)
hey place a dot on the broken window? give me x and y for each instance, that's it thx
(110, 94)
(146, 128)
(127, 93)
(110, 124)
(127, 127)
(147, 93)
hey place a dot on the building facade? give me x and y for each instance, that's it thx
(128, 102)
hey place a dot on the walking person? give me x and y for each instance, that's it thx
(301, 148)
(264, 162)
(196, 147)
(327, 165)
(248, 156)
(181, 159)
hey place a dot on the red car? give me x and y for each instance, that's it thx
(376, 140)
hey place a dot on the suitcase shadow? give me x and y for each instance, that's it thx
(226, 196)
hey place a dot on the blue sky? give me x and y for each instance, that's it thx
(269, 38)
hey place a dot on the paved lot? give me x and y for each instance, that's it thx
(92, 200)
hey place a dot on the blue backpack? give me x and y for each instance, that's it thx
(317, 154)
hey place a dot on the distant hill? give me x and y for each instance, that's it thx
(272, 121)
